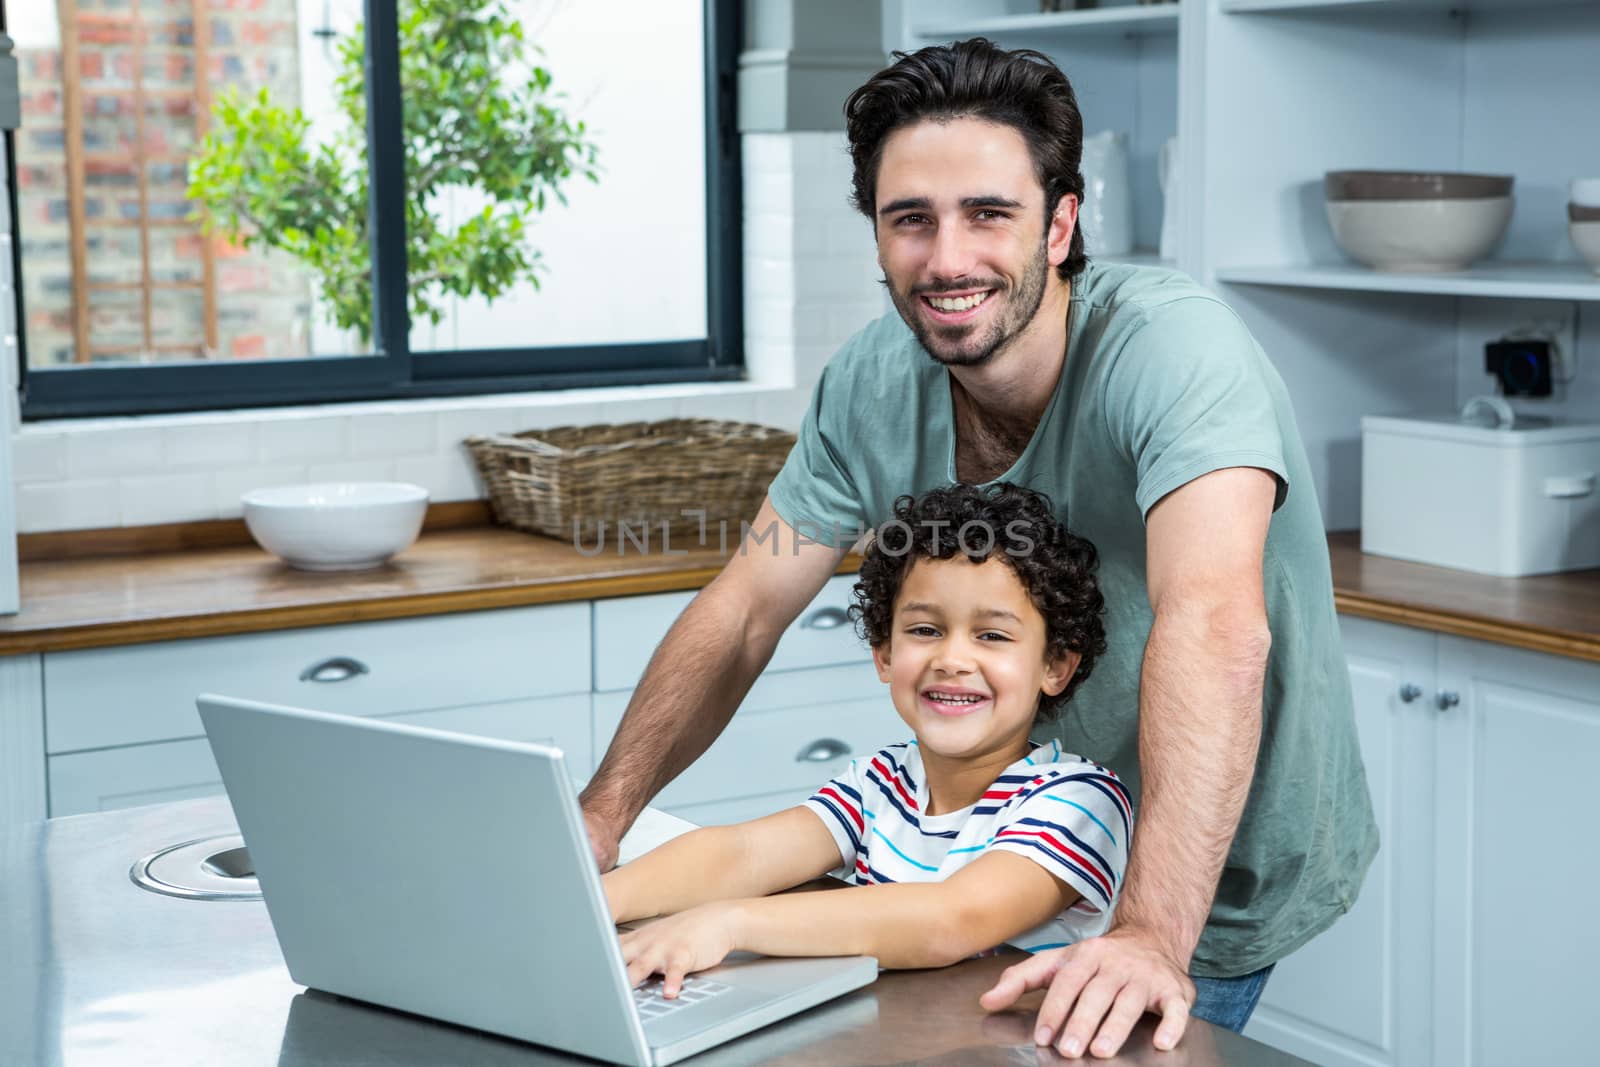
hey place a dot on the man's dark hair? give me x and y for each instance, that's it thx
(974, 79)
(1003, 521)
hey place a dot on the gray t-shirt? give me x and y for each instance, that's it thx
(1162, 384)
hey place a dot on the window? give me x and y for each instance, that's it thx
(548, 189)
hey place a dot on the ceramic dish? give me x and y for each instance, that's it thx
(336, 526)
(1585, 192)
(1586, 239)
(1414, 185)
(1419, 236)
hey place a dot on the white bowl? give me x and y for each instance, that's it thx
(1415, 236)
(336, 526)
(1586, 238)
(1585, 192)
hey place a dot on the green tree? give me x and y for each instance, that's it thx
(479, 114)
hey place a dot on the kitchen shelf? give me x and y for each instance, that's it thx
(1132, 20)
(1254, 7)
(1505, 280)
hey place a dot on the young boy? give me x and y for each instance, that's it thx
(983, 616)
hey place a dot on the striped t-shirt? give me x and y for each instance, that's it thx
(1066, 813)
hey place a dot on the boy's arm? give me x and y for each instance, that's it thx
(997, 897)
(748, 859)
(928, 924)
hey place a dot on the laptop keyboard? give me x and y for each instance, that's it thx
(651, 1004)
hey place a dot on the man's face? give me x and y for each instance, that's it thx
(961, 236)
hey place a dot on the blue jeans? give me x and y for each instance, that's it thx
(1228, 1002)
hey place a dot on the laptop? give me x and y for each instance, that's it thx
(450, 876)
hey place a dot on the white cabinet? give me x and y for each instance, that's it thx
(129, 775)
(793, 732)
(121, 727)
(119, 724)
(1359, 993)
(1472, 942)
(106, 697)
(1518, 857)
(628, 629)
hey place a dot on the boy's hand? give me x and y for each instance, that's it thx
(680, 944)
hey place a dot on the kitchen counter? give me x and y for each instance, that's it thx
(238, 588)
(94, 970)
(1557, 614)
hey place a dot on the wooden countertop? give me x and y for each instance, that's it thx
(211, 590)
(1554, 613)
(227, 588)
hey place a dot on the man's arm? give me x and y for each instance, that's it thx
(1199, 728)
(701, 671)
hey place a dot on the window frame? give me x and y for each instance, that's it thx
(394, 371)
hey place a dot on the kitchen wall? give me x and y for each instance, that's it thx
(810, 280)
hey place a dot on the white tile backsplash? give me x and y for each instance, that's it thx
(385, 436)
(112, 452)
(147, 499)
(220, 444)
(304, 440)
(39, 457)
(67, 505)
(353, 470)
(229, 486)
(452, 476)
(810, 279)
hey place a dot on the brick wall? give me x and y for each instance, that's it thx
(264, 299)
(810, 281)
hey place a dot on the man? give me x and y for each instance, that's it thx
(1141, 405)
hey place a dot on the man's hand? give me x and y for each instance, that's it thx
(603, 840)
(1107, 983)
(680, 944)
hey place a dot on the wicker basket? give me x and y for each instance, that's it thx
(564, 482)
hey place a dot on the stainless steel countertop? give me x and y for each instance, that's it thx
(94, 970)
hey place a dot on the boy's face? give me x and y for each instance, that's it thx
(965, 661)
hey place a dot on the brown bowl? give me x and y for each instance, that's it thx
(1580, 213)
(1343, 185)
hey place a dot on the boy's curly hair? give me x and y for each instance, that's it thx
(1004, 521)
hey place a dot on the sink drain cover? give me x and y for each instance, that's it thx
(212, 868)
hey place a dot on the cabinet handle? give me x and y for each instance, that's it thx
(337, 669)
(828, 748)
(1447, 700)
(829, 618)
(1409, 693)
(1570, 487)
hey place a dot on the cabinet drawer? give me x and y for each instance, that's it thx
(559, 721)
(775, 750)
(127, 777)
(104, 697)
(823, 686)
(177, 770)
(628, 629)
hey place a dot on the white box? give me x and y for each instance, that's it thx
(1507, 502)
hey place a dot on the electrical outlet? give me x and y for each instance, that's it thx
(1553, 320)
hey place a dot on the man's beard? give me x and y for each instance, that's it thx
(962, 346)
